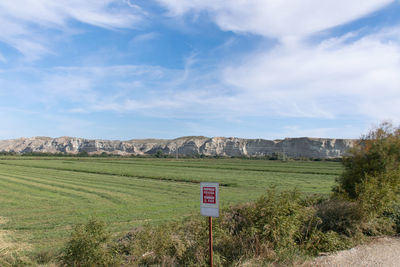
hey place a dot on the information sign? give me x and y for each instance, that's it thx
(209, 199)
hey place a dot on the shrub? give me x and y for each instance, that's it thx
(372, 177)
(327, 242)
(279, 227)
(88, 247)
(376, 154)
(273, 222)
(377, 194)
(278, 218)
(44, 257)
(275, 228)
(394, 215)
(237, 235)
(155, 245)
(159, 154)
(341, 216)
(184, 243)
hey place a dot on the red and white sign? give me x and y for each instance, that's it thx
(209, 203)
(209, 195)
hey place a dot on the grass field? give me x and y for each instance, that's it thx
(42, 198)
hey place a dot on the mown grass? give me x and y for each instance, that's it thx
(42, 198)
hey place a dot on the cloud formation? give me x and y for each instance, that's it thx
(29, 25)
(286, 19)
(333, 78)
(296, 76)
(348, 74)
(344, 75)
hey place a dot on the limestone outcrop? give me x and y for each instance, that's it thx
(188, 146)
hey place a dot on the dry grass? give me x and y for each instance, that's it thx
(3, 220)
(9, 248)
(5, 243)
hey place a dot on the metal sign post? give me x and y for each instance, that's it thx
(210, 240)
(209, 206)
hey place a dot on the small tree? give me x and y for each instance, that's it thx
(83, 154)
(372, 171)
(159, 154)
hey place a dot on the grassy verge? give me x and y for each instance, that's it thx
(279, 229)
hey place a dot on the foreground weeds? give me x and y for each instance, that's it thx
(281, 228)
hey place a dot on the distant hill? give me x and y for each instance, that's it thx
(188, 146)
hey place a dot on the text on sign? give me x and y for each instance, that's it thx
(209, 195)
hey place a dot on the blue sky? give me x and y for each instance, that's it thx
(125, 69)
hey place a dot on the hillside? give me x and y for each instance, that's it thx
(189, 146)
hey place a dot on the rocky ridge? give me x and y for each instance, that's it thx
(188, 146)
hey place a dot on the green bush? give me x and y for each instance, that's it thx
(341, 216)
(377, 194)
(327, 242)
(287, 225)
(88, 246)
(155, 245)
(184, 244)
(375, 156)
(236, 233)
(271, 225)
(278, 218)
(279, 227)
(372, 178)
(394, 215)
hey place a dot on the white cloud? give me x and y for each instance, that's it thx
(335, 79)
(119, 88)
(331, 79)
(284, 19)
(105, 13)
(26, 24)
(144, 37)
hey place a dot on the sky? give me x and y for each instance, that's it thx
(129, 69)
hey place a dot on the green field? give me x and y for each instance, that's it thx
(42, 198)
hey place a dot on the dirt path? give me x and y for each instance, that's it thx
(383, 252)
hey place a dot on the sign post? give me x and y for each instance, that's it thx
(210, 238)
(209, 206)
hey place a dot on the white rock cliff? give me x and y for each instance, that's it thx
(188, 146)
